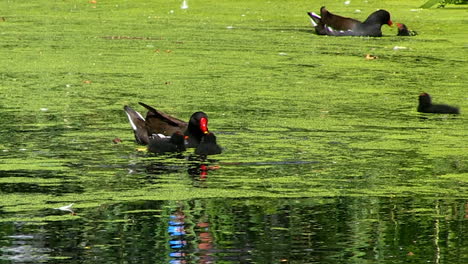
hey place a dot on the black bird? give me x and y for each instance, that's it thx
(426, 106)
(161, 144)
(403, 30)
(334, 25)
(208, 145)
(157, 122)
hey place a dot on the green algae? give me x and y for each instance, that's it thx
(461, 178)
(275, 93)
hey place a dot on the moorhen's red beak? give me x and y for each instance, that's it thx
(204, 125)
(390, 23)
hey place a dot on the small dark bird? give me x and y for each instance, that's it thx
(161, 144)
(157, 122)
(334, 25)
(208, 145)
(403, 30)
(426, 106)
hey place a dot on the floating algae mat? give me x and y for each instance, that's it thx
(325, 158)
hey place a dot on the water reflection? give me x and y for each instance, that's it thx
(177, 242)
(197, 167)
(255, 230)
(182, 229)
(24, 247)
(37, 181)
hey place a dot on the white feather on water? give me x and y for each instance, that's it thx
(184, 5)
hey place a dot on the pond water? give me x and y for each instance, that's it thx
(325, 159)
(255, 230)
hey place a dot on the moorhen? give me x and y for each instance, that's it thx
(403, 30)
(335, 25)
(426, 106)
(208, 145)
(157, 122)
(163, 144)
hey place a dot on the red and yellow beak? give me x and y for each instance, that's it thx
(204, 125)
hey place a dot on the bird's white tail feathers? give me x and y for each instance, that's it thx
(314, 18)
(131, 112)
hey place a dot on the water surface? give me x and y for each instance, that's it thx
(325, 158)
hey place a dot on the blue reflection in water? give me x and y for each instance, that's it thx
(177, 242)
(194, 246)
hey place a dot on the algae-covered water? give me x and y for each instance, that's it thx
(325, 159)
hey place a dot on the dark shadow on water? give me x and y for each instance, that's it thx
(437, 117)
(168, 163)
(284, 29)
(260, 163)
(56, 188)
(154, 167)
(308, 65)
